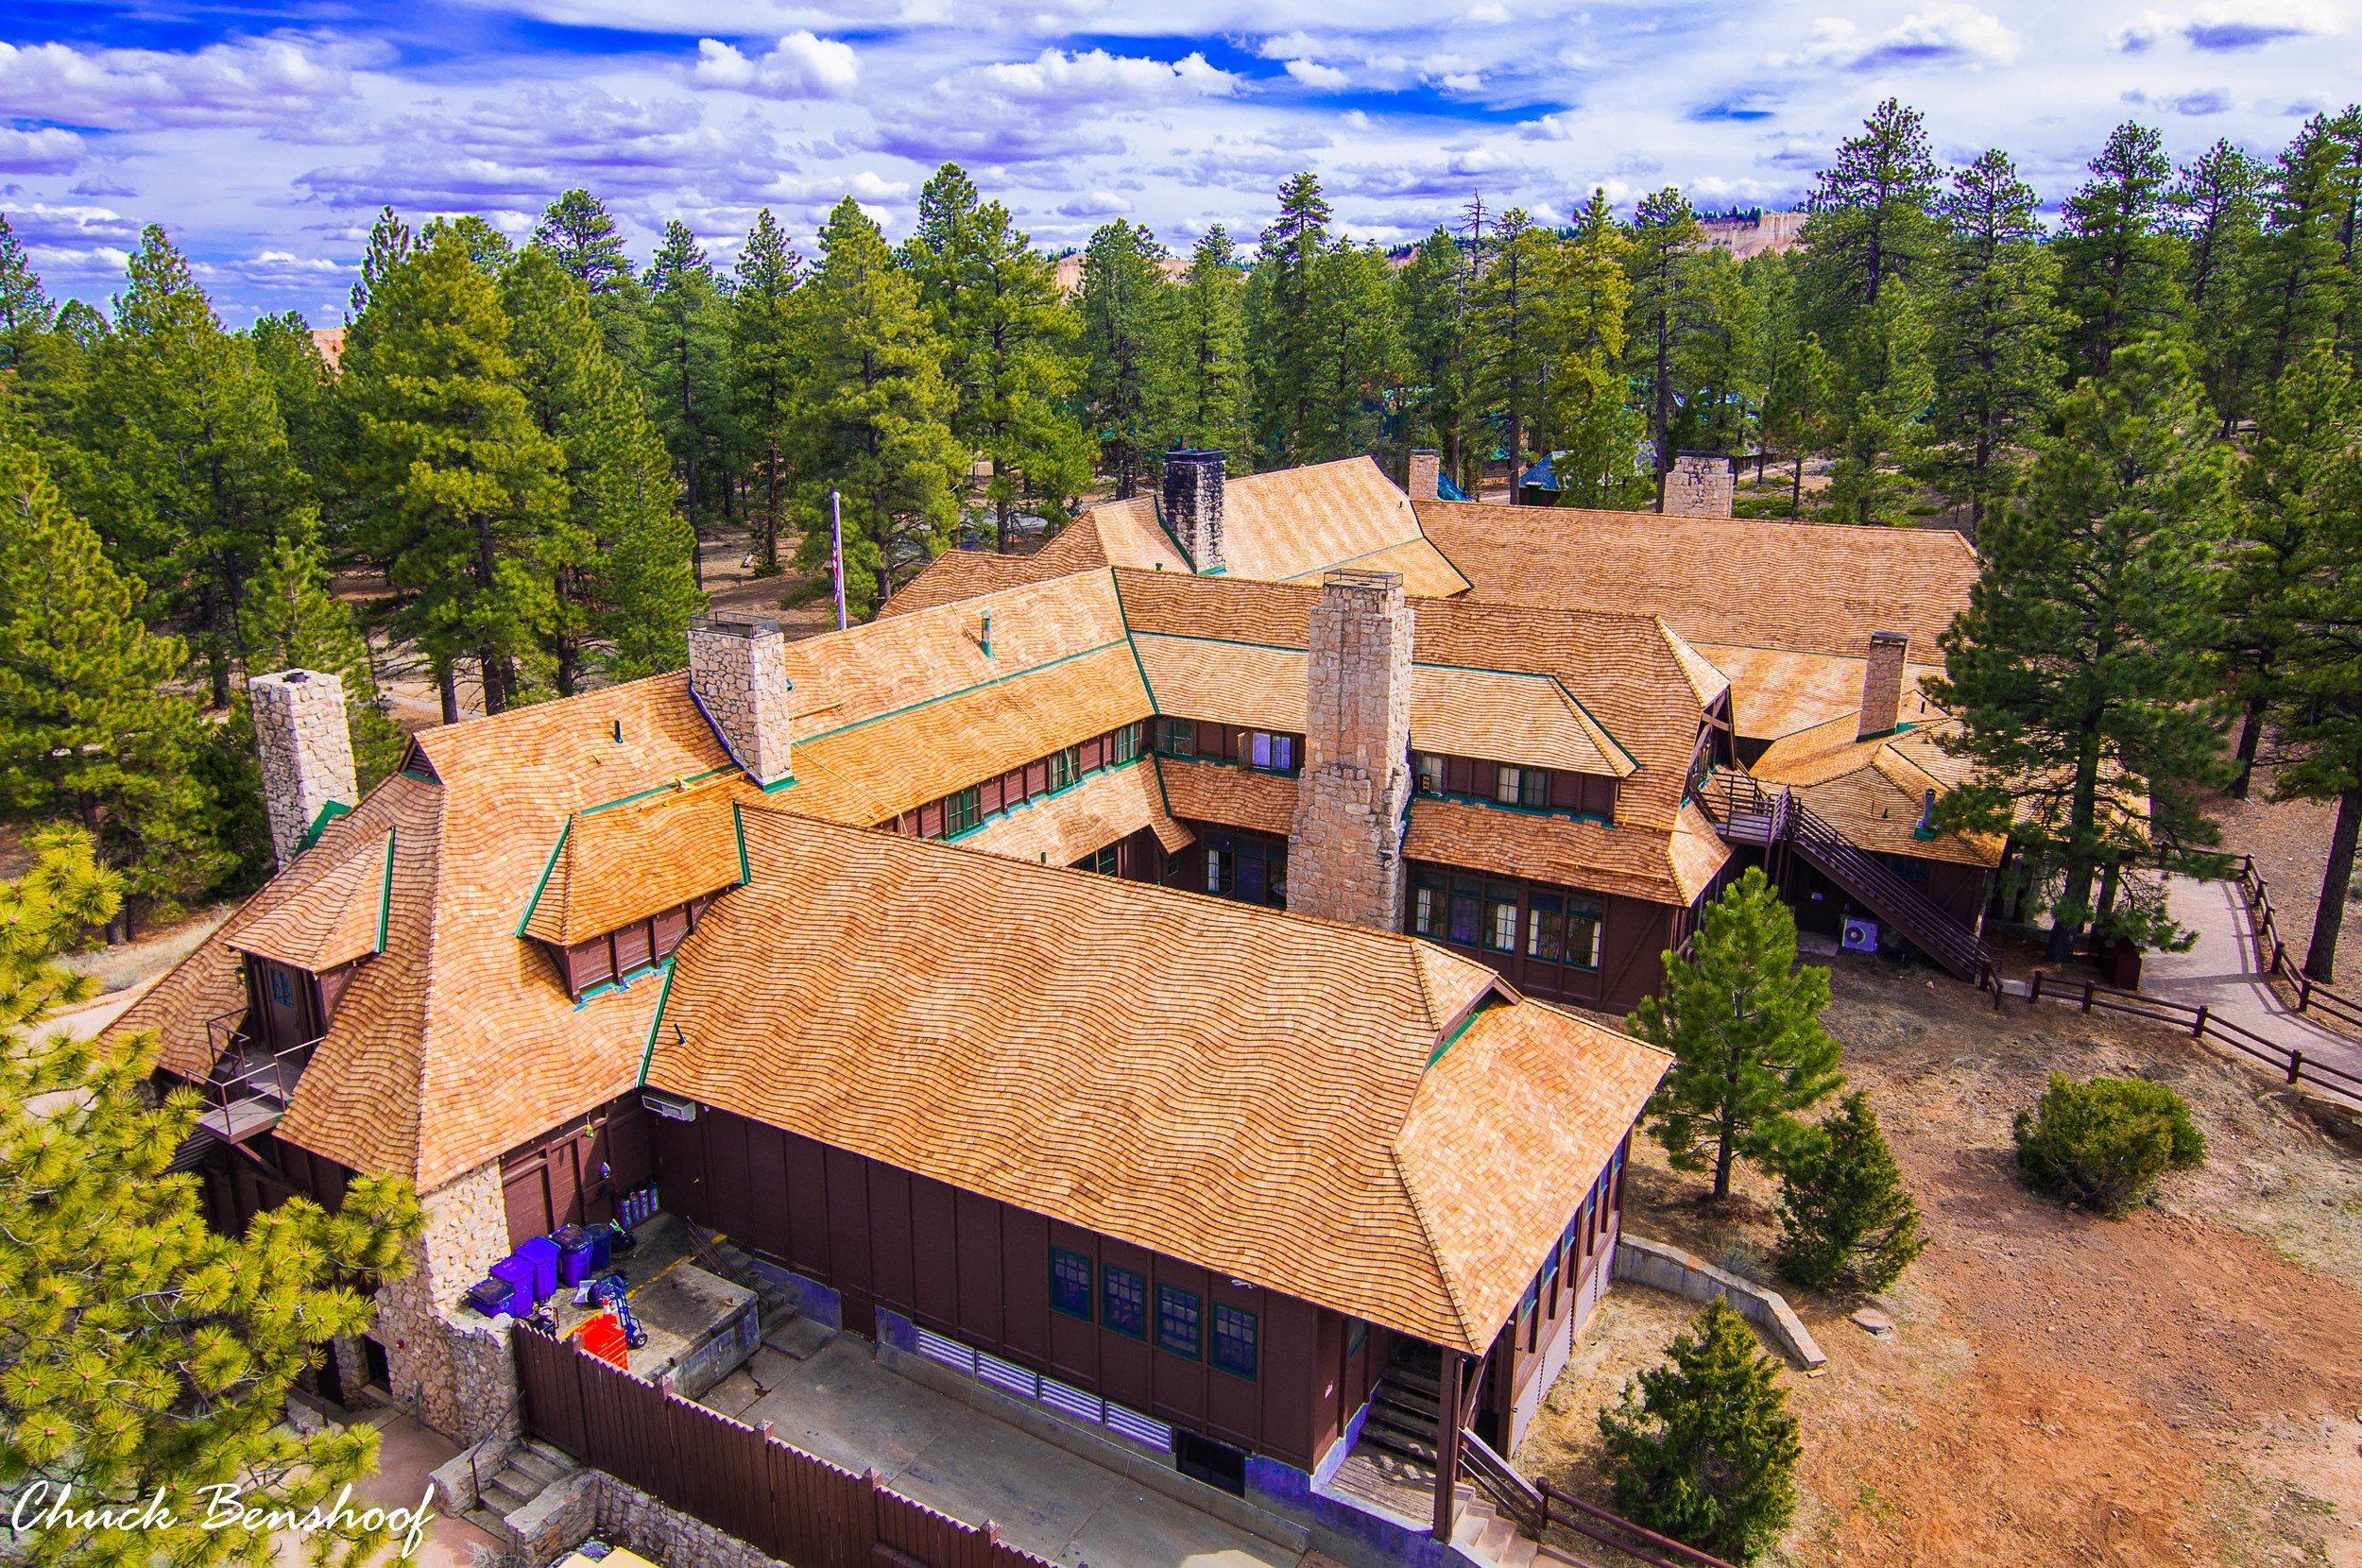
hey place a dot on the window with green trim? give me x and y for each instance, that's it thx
(1127, 743)
(1177, 737)
(1123, 1302)
(1234, 1341)
(1105, 862)
(963, 811)
(1179, 1320)
(1065, 767)
(1070, 1284)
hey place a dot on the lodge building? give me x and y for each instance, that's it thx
(1168, 964)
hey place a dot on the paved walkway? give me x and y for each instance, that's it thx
(844, 1406)
(2224, 971)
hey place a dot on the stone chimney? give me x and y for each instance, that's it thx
(1882, 683)
(1344, 854)
(1193, 506)
(1700, 485)
(306, 750)
(737, 674)
(1426, 468)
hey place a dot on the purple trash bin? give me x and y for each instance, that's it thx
(517, 1273)
(543, 1254)
(574, 1255)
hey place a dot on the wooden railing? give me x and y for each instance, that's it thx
(2292, 1064)
(1596, 1524)
(2273, 954)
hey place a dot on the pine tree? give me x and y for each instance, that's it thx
(1587, 296)
(1846, 1221)
(1209, 373)
(618, 552)
(1743, 1023)
(305, 389)
(143, 1354)
(2078, 669)
(1880, 386)
(1724, 366)
(2301, 275)
(26, 310)
(1664, 261)
(1007, 335)
(2217, 216)
(1507, 307)
(1431, 304)
(1796, 385)
(297, 622)
(1993, 333)
(464, 486)
(765, 363)
(1358, 369)
(683, 337)
(1127, 310)
(184, 460)
(2117, 261)
(91, 728)
(876, 418)
(581, 233)
(1287, 352)
(1705, 1450)
(2317, 713)
(1869, 228)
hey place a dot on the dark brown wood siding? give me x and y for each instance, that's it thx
(978, 1270)
(1633, 936)
(574, 1175)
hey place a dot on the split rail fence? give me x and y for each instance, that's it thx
(2273, 952)
(793, 1507)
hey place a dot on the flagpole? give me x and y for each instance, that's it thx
(836, 554)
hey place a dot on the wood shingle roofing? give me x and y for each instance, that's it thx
(1061, 828)
(332, 920)
(1811, 587)
(1776, 692)
(1230, 795)
(626, 862)
(1270, 1110)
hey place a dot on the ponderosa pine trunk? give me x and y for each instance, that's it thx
(2251, 741)
(447, 688)
(2320, 954)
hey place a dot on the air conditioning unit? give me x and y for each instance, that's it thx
(671, 1107)
(1861, 936)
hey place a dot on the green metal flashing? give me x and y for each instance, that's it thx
(1415, 538)
(657, 790)
(656, 1023)
(623, 982)
(548, 866)
(947, 696)
(1595, 718)
(385, 894)
(738, 827)
(330, 812)
(1484, 1004)
(777, 784)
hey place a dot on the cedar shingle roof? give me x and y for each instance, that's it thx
(1061, 828)
(1229, 795)
(1812, 587)
(626, 862)
(335, 919)
(1776, 692)
(958, 574)
(951, 1013)
(1671, 867)
(1874, 791)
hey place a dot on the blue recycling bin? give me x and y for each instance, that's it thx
(573, 1253)
(517, 1273)
(543, 1254)
(602, 1240)
(492, 1297)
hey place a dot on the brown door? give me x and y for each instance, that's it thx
(286, 1020)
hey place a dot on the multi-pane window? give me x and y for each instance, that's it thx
(1234, 1340)
(1500, 919)
(1540, 926)
(1178, 1321)
(1105, 862)
(1070, 1284)
(1177, 737)
(1065, 767)
(1123, 1302)
(1252, 870)
(1276, 752)
(1583, 936)
(1463, 914)
(1127, 743)
(1430, 769)
(962, 811)
(1427, 907)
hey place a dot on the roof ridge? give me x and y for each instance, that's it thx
(1426, 1224)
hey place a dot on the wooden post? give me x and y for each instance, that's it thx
(2296, 1067)
(1446, 1444)
(2305, 990)
(2033, 992)
(2088, 987)
(2198, 1026)
(763, 1430)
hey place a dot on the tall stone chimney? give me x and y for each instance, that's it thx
(1345, 853)
(306, 751)
(737, 674)
(1193, 506)
(1882, 683)
(1700, 485)
(1427, 465)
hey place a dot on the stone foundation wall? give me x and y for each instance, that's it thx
(1692, 1278)
(306, 751)
(1344, 850)
(456, 1365)
(1700, 485)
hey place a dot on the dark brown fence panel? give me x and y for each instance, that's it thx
(553, 1394)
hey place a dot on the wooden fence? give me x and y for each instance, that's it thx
(793, 1507)
(2310, 996)
(2293, 1066)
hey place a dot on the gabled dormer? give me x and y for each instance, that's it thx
(627, 884)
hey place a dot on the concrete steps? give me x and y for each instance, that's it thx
(531, 1468)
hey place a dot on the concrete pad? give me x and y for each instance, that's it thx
(1157, 1531)
(406, 1453)
(849, 1412)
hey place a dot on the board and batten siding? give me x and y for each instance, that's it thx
(978, 1270)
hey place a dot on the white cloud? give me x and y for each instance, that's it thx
(1463, 81)
(1940, 35)
(2142, 32)
(1099, 77)
(1490, 14)
(1312, 73)
(47, 151)
(802, 65)
(262, 82)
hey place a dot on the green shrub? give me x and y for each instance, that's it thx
(1846, 1221)
(2104, 1142)
(1763, 505)
(1705, 1450)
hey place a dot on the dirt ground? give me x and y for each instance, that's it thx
(2177, 1386)
(2289, 840)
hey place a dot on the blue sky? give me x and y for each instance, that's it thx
(267, 136)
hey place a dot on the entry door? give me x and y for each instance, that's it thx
(287, 1013)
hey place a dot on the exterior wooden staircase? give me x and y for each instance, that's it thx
(1779, 822)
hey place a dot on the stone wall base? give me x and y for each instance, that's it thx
(1692, 1278)
(593, 1503)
